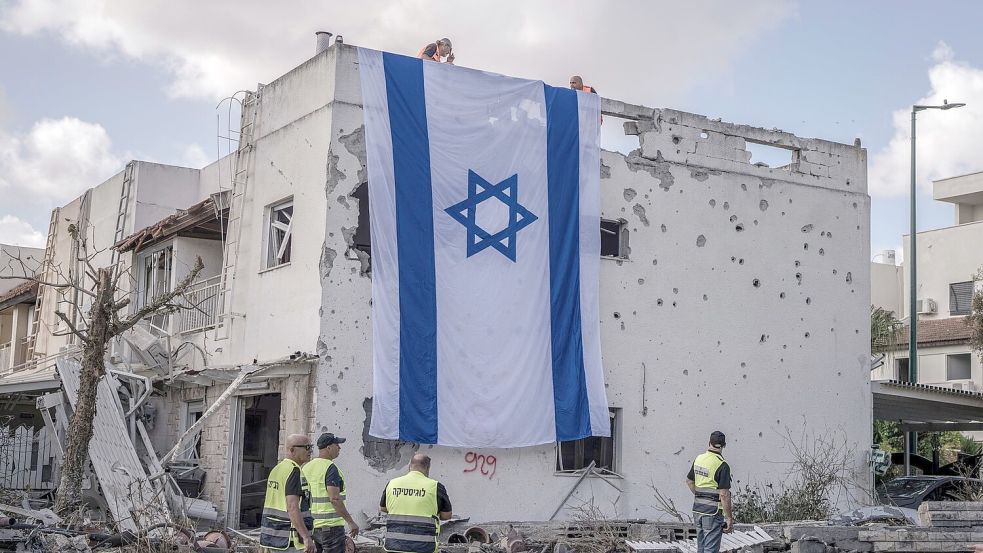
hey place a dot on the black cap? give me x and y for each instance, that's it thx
(717, 438)
(327, 439)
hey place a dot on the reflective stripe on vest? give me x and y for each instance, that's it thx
(322, 510)
(707, 498)
(276, 531)
(411, 526)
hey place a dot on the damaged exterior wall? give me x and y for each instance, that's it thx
(742, 306)
(156, 192)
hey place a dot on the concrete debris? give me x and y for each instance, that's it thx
(962, 515)
(888, 514)
(46, 517)
(735, 541)
(114, 457)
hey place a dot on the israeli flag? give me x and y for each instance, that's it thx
(485, 218)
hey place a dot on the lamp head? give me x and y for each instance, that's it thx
(947, 105)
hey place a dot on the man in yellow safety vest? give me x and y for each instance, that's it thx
(416, 504)
(709, 480)
(328, 493)
(287, 521)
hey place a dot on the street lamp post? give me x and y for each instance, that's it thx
(911, 442)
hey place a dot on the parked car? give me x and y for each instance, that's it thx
(911, 491)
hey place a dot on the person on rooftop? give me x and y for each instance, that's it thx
(437, 50)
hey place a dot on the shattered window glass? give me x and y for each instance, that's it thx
(578, 454)
(280, 236)
(614, 239)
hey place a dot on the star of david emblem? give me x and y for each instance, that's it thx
(466, 213)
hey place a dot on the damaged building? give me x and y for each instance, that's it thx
(733, 296)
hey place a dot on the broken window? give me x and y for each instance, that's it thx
(157, 269)
(614, 238)
(362, 240)
(578, 454)
(961, 298)
(279, 237)
(958, 366)
(193, 411)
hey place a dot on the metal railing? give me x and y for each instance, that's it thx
(202, 301)
(6, 350)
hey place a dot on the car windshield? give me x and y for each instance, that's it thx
(906, 487)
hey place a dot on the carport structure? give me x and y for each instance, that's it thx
(926, 408)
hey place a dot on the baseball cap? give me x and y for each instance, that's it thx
(716, 438)
(327, 439)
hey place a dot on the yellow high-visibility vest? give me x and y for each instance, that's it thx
(276, 532)
(412, 525)
(323, 511)
(707, 499)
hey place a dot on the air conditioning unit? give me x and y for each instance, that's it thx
(147, 347)
(926, 306)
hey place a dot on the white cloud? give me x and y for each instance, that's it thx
(947, 141)
(19, 233)
(56, 160)
(194, 156)
(636, 50)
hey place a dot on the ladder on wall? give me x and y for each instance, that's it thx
(122, 210)
(76, 268)
(233, 232)
(44, 272)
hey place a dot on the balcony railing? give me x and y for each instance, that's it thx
(202, 301)
(6, 350)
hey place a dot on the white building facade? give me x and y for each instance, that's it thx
(734, 297)
(949, 262)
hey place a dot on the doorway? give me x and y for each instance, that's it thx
(255, 444)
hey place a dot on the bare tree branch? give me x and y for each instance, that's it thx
(81, 335)
(162, 302)
(40, 282)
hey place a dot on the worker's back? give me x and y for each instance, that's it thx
(411, 501)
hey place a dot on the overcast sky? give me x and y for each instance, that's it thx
(86, 85)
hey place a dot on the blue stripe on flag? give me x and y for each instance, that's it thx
(563, 181)
(414, 240)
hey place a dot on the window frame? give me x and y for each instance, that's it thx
(622, 231)
(145, 260)
(193, 451)
(284, 254)
(897, 369)
(954, 305)
(615, 417)
(948, 366)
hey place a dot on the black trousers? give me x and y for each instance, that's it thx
(330, 539)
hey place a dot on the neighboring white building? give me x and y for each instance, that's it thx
(17, 298)
(949, 260)
(886, 282)
(733, 296)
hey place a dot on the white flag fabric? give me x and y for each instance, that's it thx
(484, 196)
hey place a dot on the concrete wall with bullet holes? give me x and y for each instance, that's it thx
(742, 306)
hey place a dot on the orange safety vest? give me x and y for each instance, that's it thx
(436, 54)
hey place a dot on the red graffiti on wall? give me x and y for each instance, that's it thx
(485, 464)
